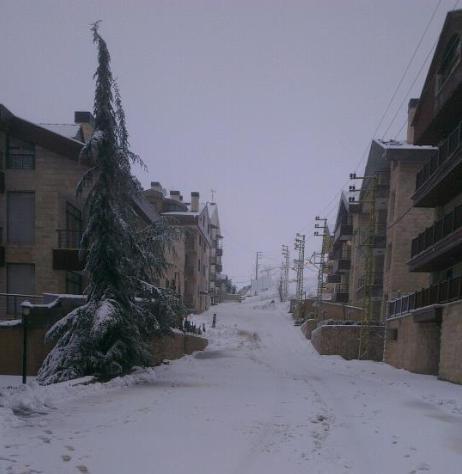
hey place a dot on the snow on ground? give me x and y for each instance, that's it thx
(258, 400)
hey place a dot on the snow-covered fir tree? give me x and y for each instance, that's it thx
(112, 332)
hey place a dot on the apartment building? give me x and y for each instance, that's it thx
(40, 217)
(425, 326)
(369, 216)
(340, 254)
(196, 262)
(216, 253)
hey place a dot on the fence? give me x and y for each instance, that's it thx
(440, 293)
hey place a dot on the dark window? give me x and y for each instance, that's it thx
(21, 217)
(73, 233)
(20, 155)
(20, 281)
(74, 283)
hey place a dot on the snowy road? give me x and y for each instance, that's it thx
(259, 400)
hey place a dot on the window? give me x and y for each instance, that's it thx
(21, 155)
(21, 217)
(20, 279)
(199, 264)
(73, 232)
(450, 59)
(74, 283)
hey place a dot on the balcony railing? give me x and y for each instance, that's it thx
(438, 231)
(376, 281)
(10, 304)
(69, 239)
(446, 150)
(444, 292)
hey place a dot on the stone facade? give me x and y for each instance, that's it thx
(413, 346)
(51, 180)
(451, 343)
(427, 347)
(343, 340)
(403, 224)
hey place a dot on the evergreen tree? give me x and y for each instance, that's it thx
(111, 333)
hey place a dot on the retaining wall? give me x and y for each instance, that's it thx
(343, 340)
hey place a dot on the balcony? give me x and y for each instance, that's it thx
(219, 252)
(343, 232)
(341, 294)
(341, 259)
(443, 292)
(333, 278)
(2, 249)
(440, 245)
(219, 268)
(439, 180)
(66, 254)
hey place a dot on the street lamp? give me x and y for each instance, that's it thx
(25, 311)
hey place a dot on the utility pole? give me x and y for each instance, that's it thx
(285, 273)
(300, 265)
(369, 197)
(321, 259)
(257, 265)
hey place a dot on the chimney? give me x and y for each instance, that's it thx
(194, 202)
(175, 195)
(156, 186)
(86, 122)
(412, 107)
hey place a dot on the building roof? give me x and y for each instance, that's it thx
(69, 130)
(451, 17)
(402, 145)
(39, 134)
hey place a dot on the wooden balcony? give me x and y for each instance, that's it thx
(439, 179)
(440, 245)
(66, 254)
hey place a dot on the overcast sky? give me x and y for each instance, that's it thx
(269, 102)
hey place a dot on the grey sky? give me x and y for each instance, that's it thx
(271, 103)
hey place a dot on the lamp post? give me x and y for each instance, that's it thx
(25, 307)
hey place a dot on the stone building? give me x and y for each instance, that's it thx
(216, 253)
(340, 255)
(424, 328)
(41, 221)
(369, 211)
(196, 261)
(40, 217)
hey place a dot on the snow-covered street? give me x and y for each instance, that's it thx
(258, 400)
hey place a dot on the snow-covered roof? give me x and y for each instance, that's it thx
(402, 145)
(68, 130)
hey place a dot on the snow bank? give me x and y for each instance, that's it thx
(18, 402)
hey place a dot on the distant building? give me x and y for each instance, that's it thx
(196, 261)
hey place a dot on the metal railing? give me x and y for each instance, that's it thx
(440, 293)
(10, 304)
(446, 150)
(69, 239)
(438, 231)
